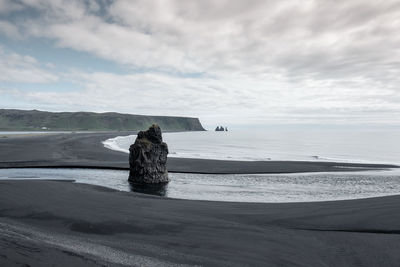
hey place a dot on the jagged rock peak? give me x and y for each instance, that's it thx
(153, 134)
(221, 129)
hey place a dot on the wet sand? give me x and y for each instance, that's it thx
(68, 224)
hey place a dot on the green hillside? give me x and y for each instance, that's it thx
(34, 120)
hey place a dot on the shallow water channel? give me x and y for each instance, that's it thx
(300, 187)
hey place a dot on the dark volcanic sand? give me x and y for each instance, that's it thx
(44, 222)
(86, 150)
(67, 224)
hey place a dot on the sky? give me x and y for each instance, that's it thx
(229, 62)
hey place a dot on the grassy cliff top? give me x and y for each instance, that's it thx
(35, 120)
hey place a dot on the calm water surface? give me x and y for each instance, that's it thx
(242, 188)
(372, 146)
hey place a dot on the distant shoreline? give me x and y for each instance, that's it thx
(31, 120)
(85, 150)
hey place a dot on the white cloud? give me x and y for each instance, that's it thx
(23, 69)
(7, 6)
(260, 60)
(9, 30)
(231, 99)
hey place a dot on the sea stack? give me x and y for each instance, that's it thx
(148, 158)
(221, 129)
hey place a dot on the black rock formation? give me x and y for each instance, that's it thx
(148, 158)
(221, 129)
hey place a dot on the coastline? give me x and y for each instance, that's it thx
(71, 224)
(85, 150)
(22, 135)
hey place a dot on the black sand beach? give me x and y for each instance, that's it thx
(69, 224)
(86, 150)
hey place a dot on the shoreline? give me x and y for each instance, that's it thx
(46, 223)
(22, 135)
(85, 150)
(332, 167)
(113, 145)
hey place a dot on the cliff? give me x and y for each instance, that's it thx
(34, 120)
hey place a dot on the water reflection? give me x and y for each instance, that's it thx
(159, 189)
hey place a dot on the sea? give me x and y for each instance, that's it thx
(343, 145)
(263, 188)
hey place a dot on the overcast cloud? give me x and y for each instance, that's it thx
(233, 62)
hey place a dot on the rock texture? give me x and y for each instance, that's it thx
(148, 158)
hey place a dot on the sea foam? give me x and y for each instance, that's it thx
(336, 146)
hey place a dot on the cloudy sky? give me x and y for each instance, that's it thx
(234, 62)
